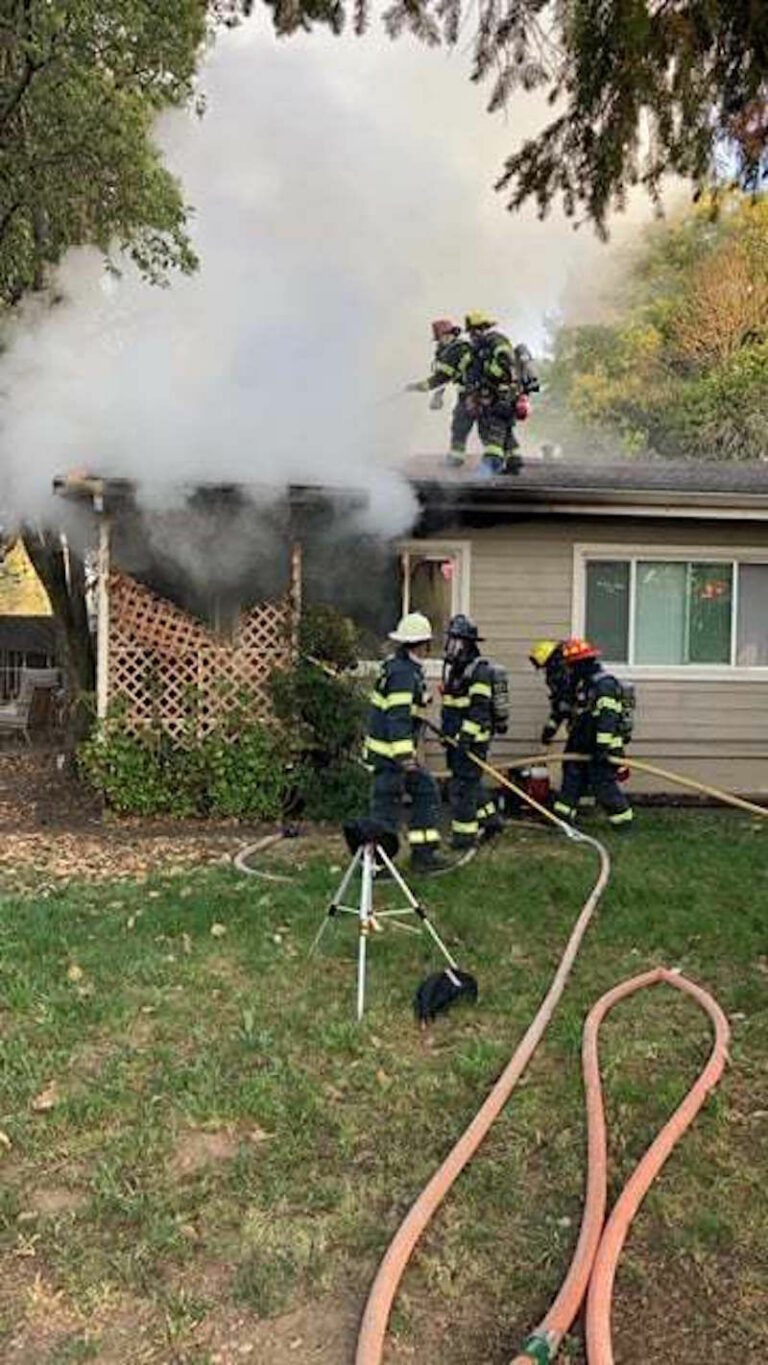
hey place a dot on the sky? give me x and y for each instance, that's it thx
(343, 197)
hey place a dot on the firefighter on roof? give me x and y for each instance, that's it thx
(599, 729)
(499, 381)
(398, 702)
(467, 717)
(453, 358)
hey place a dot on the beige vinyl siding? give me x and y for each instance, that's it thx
(521, 589)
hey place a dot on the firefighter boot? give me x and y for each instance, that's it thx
(512, 464)
(454, 459)
(492, 465)
(491, 829)
(425, 861)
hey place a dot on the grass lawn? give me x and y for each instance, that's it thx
(203, 1156)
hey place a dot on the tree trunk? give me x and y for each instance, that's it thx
(63, 576)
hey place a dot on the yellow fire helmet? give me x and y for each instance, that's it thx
(478, 319)
(541, 652)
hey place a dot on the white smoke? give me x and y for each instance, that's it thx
(343, 197)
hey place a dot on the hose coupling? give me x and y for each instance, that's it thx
(537, 1348)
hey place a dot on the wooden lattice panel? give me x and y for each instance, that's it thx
(168, 669)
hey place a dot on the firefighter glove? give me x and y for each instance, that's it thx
(549, 732)
(436, 401)
(418, 386)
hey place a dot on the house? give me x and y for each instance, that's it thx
(664, 565)
(27, 628)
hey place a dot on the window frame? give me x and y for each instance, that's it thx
(461, 551)
(734, 555)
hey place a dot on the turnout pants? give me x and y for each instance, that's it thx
(471, 805)
(598, 776)
(391, 783)
(496, 427)
(462, 422)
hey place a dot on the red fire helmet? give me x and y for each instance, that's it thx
(443, 327)
(576, 651)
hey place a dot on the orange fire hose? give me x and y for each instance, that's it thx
(590, 1250)
(598, 1249)
(370, 1344)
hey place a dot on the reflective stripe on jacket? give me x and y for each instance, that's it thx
(397, 705)
(467, 713)
(453, 359)
(603, 704)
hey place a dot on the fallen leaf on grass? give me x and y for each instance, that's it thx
(5, 1141)
(74, 973)
(383, 1079)
(218, 930)
(47, 1098)
(186, 943)
(258, 1134)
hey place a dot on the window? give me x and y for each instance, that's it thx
(607, 615)
(752, 620)
(435, 581)
(675, 612)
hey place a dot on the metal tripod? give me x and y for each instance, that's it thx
(366, 858)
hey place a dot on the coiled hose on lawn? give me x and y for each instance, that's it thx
(597, 1251)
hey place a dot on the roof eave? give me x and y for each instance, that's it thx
(508, 498)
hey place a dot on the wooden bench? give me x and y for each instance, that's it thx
(33, 704)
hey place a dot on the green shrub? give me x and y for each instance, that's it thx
(324, 717)
(247, 776)
(239, 770)
(335, 794)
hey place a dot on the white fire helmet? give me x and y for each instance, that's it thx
(413, 629)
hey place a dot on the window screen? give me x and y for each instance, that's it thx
(607, 615)
(752, 624)
(660, 613)
(709, 613)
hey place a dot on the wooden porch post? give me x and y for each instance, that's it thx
(102, 613)
(295, 593)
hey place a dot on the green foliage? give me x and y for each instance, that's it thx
(324, 633)
(80, 85)
(247, 777)
(324, 716)
(640, 89)
(334, 793)
(684, 369)
(239, 770)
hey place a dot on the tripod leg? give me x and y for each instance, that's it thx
(417, 908)
(366, 915)
(361, 942)
(334, 905)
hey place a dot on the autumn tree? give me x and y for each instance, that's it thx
(682, 368)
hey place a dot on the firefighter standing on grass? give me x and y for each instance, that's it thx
(596, 731)
(547, 655)
(453, 358)
(467, 718)
(398, 702)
